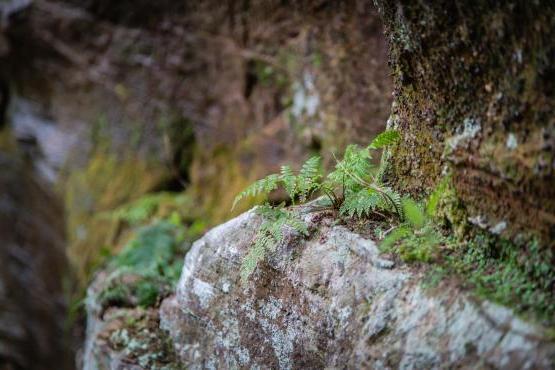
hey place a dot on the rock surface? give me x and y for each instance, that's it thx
(32, 303)
(331, 301)
(123, 337)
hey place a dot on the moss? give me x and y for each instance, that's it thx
(487, 63)
(518, 276)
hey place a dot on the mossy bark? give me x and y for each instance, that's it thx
(474, 99)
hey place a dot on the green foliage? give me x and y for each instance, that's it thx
(270, 233)
(147, 268)
(298, 186)
(518, 276)
(439, 192)
(363, 192)
(416, 239)
(153, 251)
(384, 139)
(413, 213)
(360, 203)
(351, 188)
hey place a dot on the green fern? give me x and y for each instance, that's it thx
(360, 203)
(415, 239)
(309, 179)
(261, 187)
(363, 191)
(384, 139)
(354, 178)
(270, 233)
(297, 186)
(354, 170)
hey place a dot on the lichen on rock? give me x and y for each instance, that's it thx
(332, 300)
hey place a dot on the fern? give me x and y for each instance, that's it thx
(261, 187)
(391, 200)
(415, 239)
(362, 193)
(360, 203)
(353, 170)
(289, 181)
(299, 186)
(309, 178)
(384, 139)
(270, 234)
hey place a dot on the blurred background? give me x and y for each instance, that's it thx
(121, 115)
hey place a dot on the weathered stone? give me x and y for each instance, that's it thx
(331, 301)
(121, 338)
(474, 100)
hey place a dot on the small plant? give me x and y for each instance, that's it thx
(270, 234)
(416, 239)
(352, 189)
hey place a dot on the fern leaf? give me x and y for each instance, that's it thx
(310, 170)
(289, 181)
(294, 222)
(360, 203)
(391, 200)
(269, 235)
(256, 253)
(309, 177)
(261, 187)
(384, 139)
(353, 170)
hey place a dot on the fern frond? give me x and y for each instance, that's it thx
(391, 200)
(270, 234)
(289, 181)
(310, 170)
(261, 187)
(309, 177)
(294, 222)
(384, 139)
(354, 169)
(256, 253)
(360, 203)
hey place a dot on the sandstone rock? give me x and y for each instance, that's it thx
(331, 301)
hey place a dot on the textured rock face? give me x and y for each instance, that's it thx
(124, 338)
(474, 99)
(332, 301)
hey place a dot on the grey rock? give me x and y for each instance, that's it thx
(331, 301)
